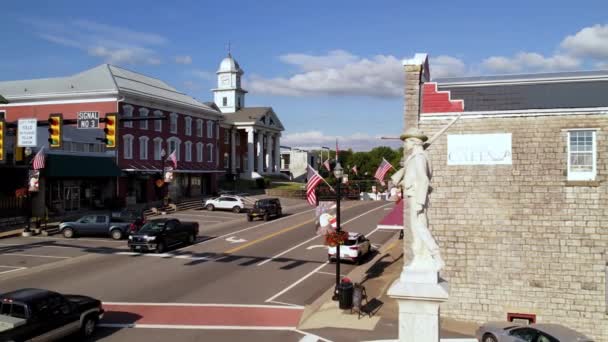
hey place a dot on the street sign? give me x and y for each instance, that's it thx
(87, 120)
(27, 132)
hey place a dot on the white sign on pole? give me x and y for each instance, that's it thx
(26, 132)
(479, 149)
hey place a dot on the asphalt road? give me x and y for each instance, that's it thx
(256, 276)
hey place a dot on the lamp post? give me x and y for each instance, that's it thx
(27, 231)
(162, 172)
(338, 173)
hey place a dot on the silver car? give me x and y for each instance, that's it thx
(512, 332)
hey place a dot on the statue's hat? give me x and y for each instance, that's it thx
(414, 132)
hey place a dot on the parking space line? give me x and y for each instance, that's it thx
(14, 268)
(36, 255)
(317, 236)
(73, 239)
(37, 245)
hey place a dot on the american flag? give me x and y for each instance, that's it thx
(327, 166)
(355, 170)
(313, 180)
(173, 158)
(382, 170)
(39, 159)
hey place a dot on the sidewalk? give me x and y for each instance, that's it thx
(325, 319)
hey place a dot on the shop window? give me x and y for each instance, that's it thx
(581, 155)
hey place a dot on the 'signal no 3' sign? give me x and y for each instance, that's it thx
(87, 120)
(479, 149)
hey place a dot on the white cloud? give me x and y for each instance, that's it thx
(446, 66)
(530, 61)
(589, 42)
(113, 44)
(190, 85)
(333, 59)
(202, 74)
(183, 59)
(315, 139)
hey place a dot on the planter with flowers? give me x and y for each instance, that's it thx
(335, 238)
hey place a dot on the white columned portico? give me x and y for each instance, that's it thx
(249, 151)
(233, 155)
(260, 145)
(277, 153)
(269, 153)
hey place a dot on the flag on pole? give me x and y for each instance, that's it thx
(327, 166)
(313, 180)
(355, 170)
(173, 158)
(337, 152)
(382, 170)
(39, 159)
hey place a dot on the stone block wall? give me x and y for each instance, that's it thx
(520, 238)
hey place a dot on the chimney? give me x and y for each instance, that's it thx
(416, 73)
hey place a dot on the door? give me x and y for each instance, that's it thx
(71, 198)
(86, 225)
(101, 225)
(66, 319)
(170, 233)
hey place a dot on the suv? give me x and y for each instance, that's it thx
(225, 202)
(265, 208)
(354, 248)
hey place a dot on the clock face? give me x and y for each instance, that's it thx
(225, 80)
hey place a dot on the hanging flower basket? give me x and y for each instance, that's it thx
(336, 238)
(21, 192)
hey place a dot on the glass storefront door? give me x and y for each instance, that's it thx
(71, 198)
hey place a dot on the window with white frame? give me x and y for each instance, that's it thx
(158, 147)
(210, 152)
(158, 124)
(188, 121)
(582, 155)
(199, 128)
(209, 129)
(173, 144)
(143, 113)
(127, 112)
(173, 123)
(226, 160)
(188, 152)
(199, 152)
(143, 148)
(127, 143)
(227, 134)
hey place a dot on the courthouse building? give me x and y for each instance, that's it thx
(520, 194)
(213, 140)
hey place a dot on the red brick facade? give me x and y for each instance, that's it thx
(434, 101)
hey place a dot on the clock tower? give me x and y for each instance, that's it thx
(229, 96)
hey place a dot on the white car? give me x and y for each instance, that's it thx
(354, 249)
(226, 203)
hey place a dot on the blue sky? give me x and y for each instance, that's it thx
(328, 68)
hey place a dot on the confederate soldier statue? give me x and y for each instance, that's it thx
(414, 179)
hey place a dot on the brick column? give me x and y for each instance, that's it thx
(416, 73)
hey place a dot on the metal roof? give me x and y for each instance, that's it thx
(526, 78)
(249, 114)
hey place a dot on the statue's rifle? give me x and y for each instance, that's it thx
(440, 133)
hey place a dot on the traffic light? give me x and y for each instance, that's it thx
(55, 130)
(111, 130)
(2, 139)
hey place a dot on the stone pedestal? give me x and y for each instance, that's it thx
(419, 294)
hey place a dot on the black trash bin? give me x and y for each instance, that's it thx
(345, 295)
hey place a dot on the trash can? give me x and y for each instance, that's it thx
(345, 295)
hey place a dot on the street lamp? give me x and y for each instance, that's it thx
(338, 173)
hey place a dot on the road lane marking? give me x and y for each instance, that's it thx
(14, 268)
(191, 327)
(331, 274)
(167, 256)
(261, 306)
(73, 239)
(36, 255)
(311, 335)
(232, 239)
(284, 230)
(287, 304)
(315, 246)
(297, 282)
(317, 236)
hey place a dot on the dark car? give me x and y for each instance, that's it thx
(159, 234)
(265, 208)
(512, 332)
(42, 315)
(96, 224)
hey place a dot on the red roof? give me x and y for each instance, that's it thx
(394, 219)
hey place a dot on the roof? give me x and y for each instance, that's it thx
(3, 100)
(102, 79)
(26, 295)
(585, 89)
(248, 114)
(229, 64)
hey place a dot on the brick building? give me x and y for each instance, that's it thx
(519, 201)
(211, 140)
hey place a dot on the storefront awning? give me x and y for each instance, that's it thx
(60, 165)
(394, 219)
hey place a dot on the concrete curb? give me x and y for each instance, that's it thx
(11, 233)
(356, 275)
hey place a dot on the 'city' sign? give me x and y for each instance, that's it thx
(26, 132)
(87, 120)
(479, 149)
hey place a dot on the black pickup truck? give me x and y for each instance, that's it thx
(42, 315)
(159, 234)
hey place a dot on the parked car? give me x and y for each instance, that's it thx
(354, 248)
(265, 208)
(233, 203)
(512, 332)
(42, 315)
(159, 234)
(115, 227)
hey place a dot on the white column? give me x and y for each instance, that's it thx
(249, 150)
(277, 153)
(260, 146)
(233, 155)
(269, 153)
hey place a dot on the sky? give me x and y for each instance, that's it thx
(330, 69)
